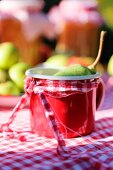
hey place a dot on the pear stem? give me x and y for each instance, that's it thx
(102, 36)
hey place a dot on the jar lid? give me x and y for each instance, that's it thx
(48, 73)
(78, 11)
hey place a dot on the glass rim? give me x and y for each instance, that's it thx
(36, 73)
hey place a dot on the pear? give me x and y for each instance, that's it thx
(9, 88)
(79, 70)
(9, 55)
(74, 70)
(17, 74)
(110, 66)
(3, 76)
(57, 60)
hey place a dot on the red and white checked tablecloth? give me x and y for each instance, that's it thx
(91, 152)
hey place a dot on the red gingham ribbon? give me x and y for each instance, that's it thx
(20, 105)
(61, 148)
(62, 88)
(53, 124)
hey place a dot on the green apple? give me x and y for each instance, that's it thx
(57, 60)
(17, 74)
(3, 76)
(9, 88)
(110, 66)
(9, 55)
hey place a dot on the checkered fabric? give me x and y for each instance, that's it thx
(91, 152)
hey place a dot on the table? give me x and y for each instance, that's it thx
(91, 152)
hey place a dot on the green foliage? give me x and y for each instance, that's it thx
(106, 9)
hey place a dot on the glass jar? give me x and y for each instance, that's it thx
(78, 25)
(23, 23)
(72, 100)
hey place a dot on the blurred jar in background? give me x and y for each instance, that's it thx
(23, 23)
(78, 24)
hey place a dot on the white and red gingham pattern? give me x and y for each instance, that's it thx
(62, 150)
(63, 88)
(94, 151)
(20, 105)
(91, 152)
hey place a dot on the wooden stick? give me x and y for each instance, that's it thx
(102, 36)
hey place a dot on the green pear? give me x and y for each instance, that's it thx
(74, 70)
(17, 74)
(57, 60)
(110, 66)
(9, 55)
(9, 88)
(3, 76)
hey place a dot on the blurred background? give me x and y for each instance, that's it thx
(105, 22)
(57, 33)
(105, 8)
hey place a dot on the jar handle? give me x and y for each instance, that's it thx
(100, 94)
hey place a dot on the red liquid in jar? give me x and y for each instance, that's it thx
(74, 114)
